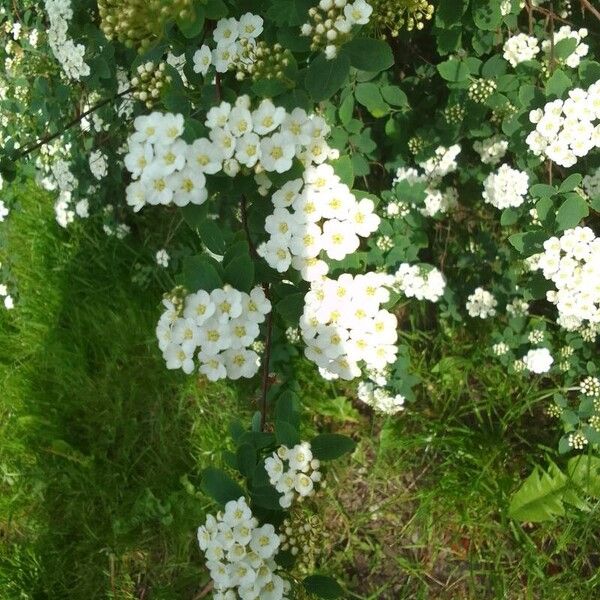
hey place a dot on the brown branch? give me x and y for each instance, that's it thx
(71, 123)
(586, 5)
(207, 589)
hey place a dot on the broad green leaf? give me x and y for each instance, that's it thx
(565, 47)
(193, 27)
(328, 446)
(558, 84)
(450, 12)
(369, 54)
(246, 459)
(212, 236)
(393, 95)
(453, 70)
(219, 486)
(571, 211)
(486, 14)
(344, 170)
(200, 274)
(290, 308)
(570, 183)
(323, 586)
(287, 408)
(286, 434)
(369, 95)
(325, 77)
(346, 109)
(240, 273)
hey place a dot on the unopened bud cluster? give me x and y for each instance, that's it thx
(481, 89)
(149, 82)
(416, 145)
(259, 60)
(332, 22)
(301, 537)
(395, 15)
(137, 23)
(454, 114)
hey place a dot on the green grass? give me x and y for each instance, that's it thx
(97, 432)
(101, 446)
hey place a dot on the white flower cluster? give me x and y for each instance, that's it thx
(506, 188)
(293, 471)
(98, 164)
(566, 130)
(581, 49)
(443, 162)
(229, 35)
(519, 48)
(162, 258)
(313, 215)
(481, 303)
(8, 300)
(221, 324)
(591, 184)
(343, 324)
(240, 555)
(422, 283)
(380, 399)
(571, 263)
(69, 55)
(491, 150)
(538, 361)
(166, 169)
(3, 210)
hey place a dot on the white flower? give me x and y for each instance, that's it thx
(205, 156)
(177, 358)
(212, 366)
(519, 48)
(189, 186)
(506, 187)
(226, 32)
(267, 117)
(202, 60)
(250, 26)
(538, 361)
(358, 12)
(3, 211)
(339, 239)
(9, 303)
(277, 152)
(276, 253)
(481, 303)
(162, 258)
(98, 164)
(247, 149)
(199, 307)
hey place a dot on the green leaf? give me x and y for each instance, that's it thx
(328, 446)
(570, 183)
(290, 308)
(450, 12)
(453, 70)
(200, 274)
(193, 27)
(246, 459)
(344, 170)
(558, 84)
(346, 110)
(240, 273)
(571, 211)
(212, 236)
(542, 190)
(540, 497)
(486, 14)
(215, 9)
(219, 486)
(325, 77)
(369, 95)
(268, 88)
(369, 54)
(393, 95)
(286, 434)
(564, 48)
(323, 586)
(589, 72)
(509, 217)
(287, 408)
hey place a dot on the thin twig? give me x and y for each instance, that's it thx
(244, 215)
(72, 123)
(529, 16)
(207, 589)
(266, 359)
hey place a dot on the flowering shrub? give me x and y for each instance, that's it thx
(327, 165)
